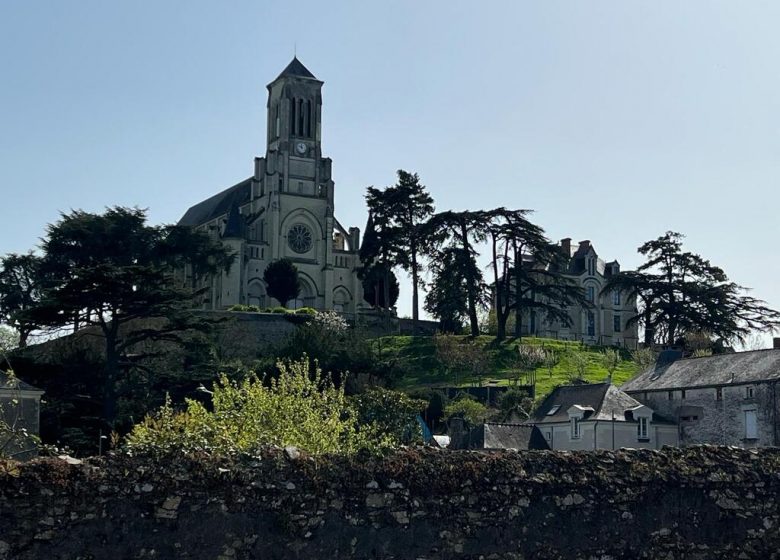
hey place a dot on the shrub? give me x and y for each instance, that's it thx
(279, 310)
(306, 311)
(466, 407)
(393, 412)
(237, 307)
(297, 408)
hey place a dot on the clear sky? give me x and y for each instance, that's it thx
(614, 120)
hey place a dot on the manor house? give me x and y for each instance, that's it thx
(606, 320)
(284, 210)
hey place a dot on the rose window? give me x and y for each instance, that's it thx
(299, 238)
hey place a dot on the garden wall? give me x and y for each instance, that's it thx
(692, 503)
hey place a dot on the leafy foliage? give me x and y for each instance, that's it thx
(680, 292)
(466, 407)
(374, 279)
(399, 214)
(447, 298)
(393, 412)
(282, 281)
(112, 271)
(298, 408)
(20, 292)
(461, 231)
(526, 271)
(514, 405)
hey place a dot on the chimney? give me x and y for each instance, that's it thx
(776, 343)
(566, 247)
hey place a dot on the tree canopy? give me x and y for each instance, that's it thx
(681, 293)
(282, 281)
(19, 292)
(113, 272)
(396, 234)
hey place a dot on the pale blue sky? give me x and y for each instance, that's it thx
(614, 120)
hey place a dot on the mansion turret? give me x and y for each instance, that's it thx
(284, 210)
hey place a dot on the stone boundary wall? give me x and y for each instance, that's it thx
(692, 503)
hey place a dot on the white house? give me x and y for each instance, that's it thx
(600, 416)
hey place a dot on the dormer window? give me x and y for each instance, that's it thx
(749, 392)
(615, 297)
(591, 266)
(590, 294)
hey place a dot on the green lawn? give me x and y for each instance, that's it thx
(415, 357)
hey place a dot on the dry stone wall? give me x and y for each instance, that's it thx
(692, 503)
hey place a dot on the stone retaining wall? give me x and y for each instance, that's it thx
(692, 503)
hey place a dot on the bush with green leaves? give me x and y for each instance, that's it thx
(306, 311)
(393, 412)
(298, 408)
(468, 408)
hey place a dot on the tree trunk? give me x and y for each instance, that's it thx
(518, 295)
(501, 306)
(415, 295)
(649, 332)
(470, 287)
(110, 373)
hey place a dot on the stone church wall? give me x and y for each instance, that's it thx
(693, 503)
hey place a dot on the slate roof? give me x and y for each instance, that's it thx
(710, 371)
(296, 68)
(218, 205)
(8, 383)
(511, 436)
(602, 398)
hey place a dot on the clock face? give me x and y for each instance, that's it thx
(301, 148)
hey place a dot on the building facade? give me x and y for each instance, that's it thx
(284, 210)
(605, 321)
(726, 399)
(600, 416)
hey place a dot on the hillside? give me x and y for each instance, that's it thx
(416, 358)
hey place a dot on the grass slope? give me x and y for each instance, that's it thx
(416, 358)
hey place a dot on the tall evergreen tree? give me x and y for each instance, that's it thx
(112, 271)
(447, 299)
(19, 292)
(464, 230)
(398, 215)
(683, 293)
(526, 272)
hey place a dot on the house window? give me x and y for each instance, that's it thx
(615, 297)
(671, 395)
(641, 429)
(751, 426)
(590, 294)
(591, 324)
(682, 394)
(575, 428)
(591, 267)
(616, 323)
(719, 393)
(749, 392)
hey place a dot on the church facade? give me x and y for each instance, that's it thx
(284, 210)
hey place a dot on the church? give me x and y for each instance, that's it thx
(284, 210)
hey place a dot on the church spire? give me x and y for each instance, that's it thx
(296, 68)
